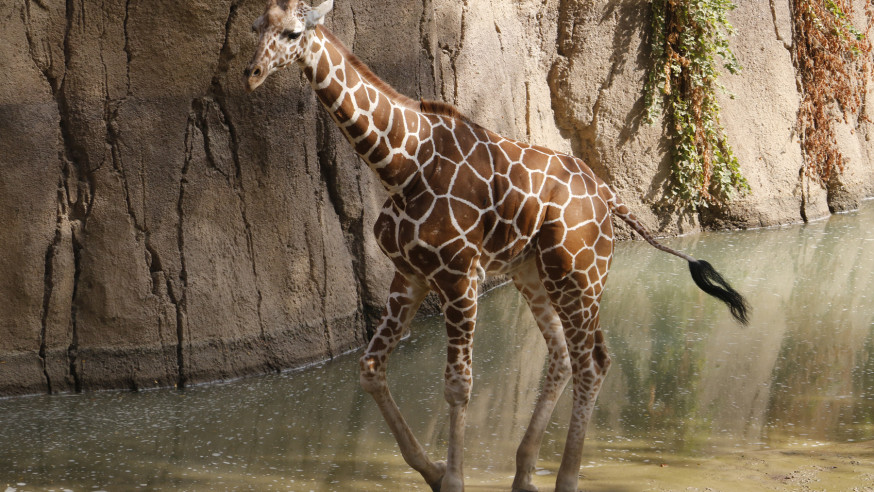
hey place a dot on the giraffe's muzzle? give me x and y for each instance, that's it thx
(254, 77)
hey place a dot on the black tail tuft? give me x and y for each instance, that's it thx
(711, 282)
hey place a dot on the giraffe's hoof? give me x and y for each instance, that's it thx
(525, 488)
(441, 470)
(522, 482)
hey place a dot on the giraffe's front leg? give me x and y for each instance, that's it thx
(459, 308)
(403, 301)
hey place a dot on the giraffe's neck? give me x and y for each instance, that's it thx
(384, 128)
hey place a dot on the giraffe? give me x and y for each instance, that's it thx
(464, 202)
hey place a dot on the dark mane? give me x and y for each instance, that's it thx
(439, 108)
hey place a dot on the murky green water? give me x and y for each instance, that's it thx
(686, 382)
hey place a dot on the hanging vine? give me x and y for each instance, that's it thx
(689, 36)
(833, 59)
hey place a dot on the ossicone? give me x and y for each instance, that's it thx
(317, 14)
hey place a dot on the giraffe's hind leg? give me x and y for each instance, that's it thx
(403, 301)
(527, 280)
(576, 299)
(575, 252)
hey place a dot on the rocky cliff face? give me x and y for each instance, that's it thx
(161, 226)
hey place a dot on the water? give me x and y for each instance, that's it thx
(688, 388)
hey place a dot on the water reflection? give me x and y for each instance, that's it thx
(686, 381)
(803, 367)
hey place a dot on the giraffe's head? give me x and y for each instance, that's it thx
(282, 31)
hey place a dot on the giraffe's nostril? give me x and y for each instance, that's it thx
(256, 72)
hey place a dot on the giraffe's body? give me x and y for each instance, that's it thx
(463, 201)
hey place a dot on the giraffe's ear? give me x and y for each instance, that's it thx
(317, 15)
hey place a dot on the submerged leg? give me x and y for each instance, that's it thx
(459, 309)
(403, 301)
(557, 376)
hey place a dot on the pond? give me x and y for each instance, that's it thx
(692, 399)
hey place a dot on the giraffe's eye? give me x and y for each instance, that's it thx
(289, 34)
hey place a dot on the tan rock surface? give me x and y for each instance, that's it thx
(161, 226)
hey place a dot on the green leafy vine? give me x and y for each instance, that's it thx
(688, 37)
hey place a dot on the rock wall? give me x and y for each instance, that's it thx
(163, 227)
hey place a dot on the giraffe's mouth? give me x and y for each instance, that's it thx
(254, 77)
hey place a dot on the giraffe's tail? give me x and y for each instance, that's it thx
(705, 276)
(710, 281)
